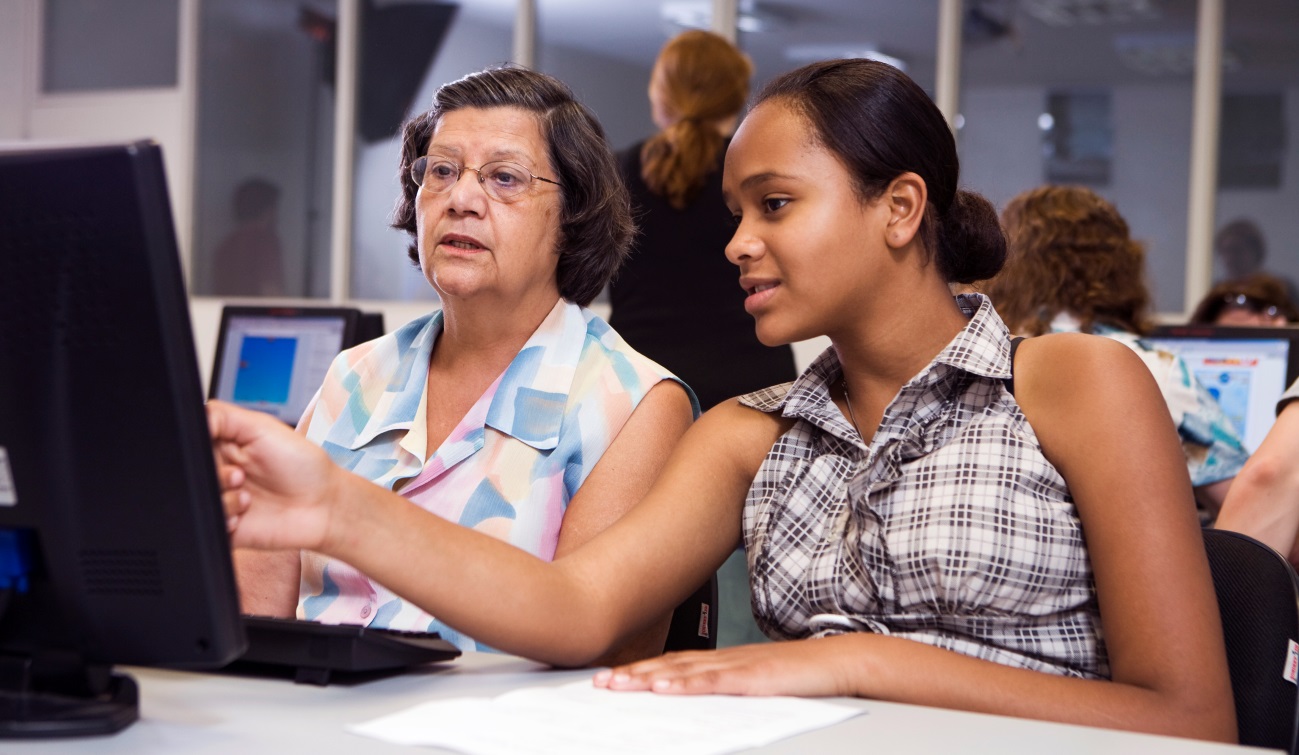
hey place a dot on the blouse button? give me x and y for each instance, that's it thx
(365, 612)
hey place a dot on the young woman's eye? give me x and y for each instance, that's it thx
(735, 219)
(772, 204)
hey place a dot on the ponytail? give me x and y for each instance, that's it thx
(676, 161)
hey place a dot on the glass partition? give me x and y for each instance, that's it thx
(264, 148)
(1258, 152)
(1098, 94)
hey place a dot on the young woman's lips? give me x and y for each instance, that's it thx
(758, 296)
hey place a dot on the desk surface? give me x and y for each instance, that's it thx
(202, 713)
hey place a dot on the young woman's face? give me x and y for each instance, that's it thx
(810, 252)
(471, 244)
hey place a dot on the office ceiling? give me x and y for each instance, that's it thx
(1006, 42)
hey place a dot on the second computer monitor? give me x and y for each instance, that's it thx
(273, 359)
(1246, 369)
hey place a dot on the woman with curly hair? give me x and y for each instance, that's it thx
(1074, 267)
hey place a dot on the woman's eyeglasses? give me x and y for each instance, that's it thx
(503, 181)
(1251, 303)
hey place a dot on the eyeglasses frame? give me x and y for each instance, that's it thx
(482, 180)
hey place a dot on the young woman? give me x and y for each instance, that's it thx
(916, 531)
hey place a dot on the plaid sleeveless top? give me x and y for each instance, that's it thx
(948, 527)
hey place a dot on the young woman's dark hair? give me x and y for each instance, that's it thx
(595, 221)
(881, 124)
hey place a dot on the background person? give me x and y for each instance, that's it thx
(677, 299)
(915, 531)
(1239, 251)
(249, 261)
(1256, 300)
(1074, 267)
(514, 410)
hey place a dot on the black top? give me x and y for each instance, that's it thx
(678, 300)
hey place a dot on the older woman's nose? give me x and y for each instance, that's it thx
(467, 194)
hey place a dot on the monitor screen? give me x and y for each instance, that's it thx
(113, 544)
(1246, 369)
(273, 359)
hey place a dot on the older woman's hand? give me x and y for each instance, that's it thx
(275, 484)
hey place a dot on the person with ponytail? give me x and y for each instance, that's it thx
(675, 300)
(1074, 267)
(930, 515)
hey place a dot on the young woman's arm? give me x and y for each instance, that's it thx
(268, 580)
(282, 492)
(1102, 422)
(1264, 500)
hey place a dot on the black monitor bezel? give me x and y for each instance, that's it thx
(127, 559)
(1237, 333)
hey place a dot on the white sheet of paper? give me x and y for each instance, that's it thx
(577, 718)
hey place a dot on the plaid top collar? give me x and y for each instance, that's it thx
(982, 348)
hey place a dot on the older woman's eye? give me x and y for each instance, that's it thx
(443, 170)
(507, 177)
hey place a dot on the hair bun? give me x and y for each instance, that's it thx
(971, 245)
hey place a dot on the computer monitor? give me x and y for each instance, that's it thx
(273, 359)
(1246, 369)
(113, 543)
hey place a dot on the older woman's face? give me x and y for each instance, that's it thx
(474, 247)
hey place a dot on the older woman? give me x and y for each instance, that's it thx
(514, 410)
(1258, 300)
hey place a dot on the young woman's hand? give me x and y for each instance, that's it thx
(806, 668)
(275, 484)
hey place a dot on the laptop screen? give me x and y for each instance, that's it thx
(1246, 369)
(273, 359)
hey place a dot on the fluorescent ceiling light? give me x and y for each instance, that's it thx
(812, 53)
(698, 14)
(1073, 12)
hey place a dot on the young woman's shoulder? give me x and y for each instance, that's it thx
(1067, 383)
(741, 435)
(1076, 358)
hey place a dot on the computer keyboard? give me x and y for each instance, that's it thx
(316, 652)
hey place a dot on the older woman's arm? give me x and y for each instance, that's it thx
(619, 480)
(1264, 500)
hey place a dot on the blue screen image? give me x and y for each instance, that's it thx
(265, 370)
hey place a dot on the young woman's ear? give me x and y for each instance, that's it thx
(907, 197)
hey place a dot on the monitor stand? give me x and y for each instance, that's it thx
(76, 700)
